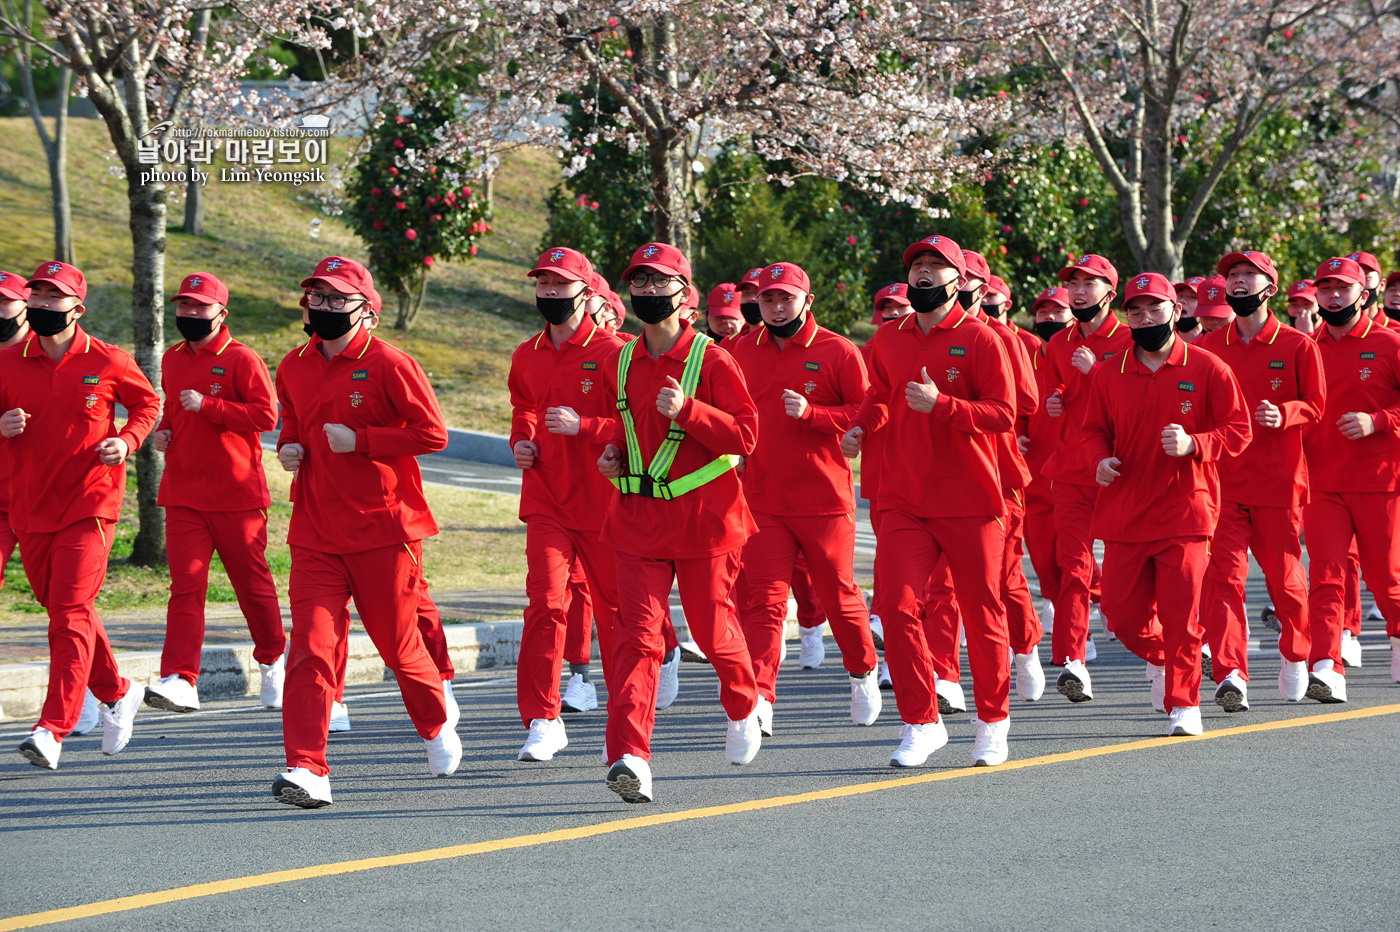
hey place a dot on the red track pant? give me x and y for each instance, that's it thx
(1332, 520)
(1274, 535)
(943, 620)
(643, 594)
(429, 626)
(7, 545)
(1040, 537)
(550, 551)
(578, 636)
(384, 584)
(240, 538)
(810, 613)
(908, 550)
(1151, 591)
(66, 570)
(1352, 621)
(828, 542)
(1074, 551)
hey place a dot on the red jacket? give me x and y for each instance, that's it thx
(941, 464)
(1282, 366)
(1363, 374)
(564, 485)
(1029, 339)
(372, 497)
(720, 419)
(215, 458)
(797, 467)
(872, 447)
(1011, 464)
(1160, 497)
(56, 477)
(1067, 462)
(1043, 431)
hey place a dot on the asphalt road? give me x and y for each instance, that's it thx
(1284, 828)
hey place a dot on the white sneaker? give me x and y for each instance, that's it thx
(691, 652)
(340, 718)
(989, 748)
(866, 702)
(782, 647)
(1091, 652)
(1375, 613)
(173, 694)
(1270, 619)
(917, 742)
(630, 778)
(1351, 650)
(89, 719)
(877, 632)
(1185, 721)
(1030, 675)
(1293, 680)
(274, 676)
(454, 711)
(813, 648)
(444, 751)
(742, 738)
(41, 749)
(1074, 683)
(579, 695)
(885, 681)
(118, 719)
(1326, 684)
(764, 711)
(1207, 662)
(668, 685)
(950, 696)
(1232, 694)
(547, 738)
(301, 787)
(1157, 676)
(1395, 660)
(1047, 615)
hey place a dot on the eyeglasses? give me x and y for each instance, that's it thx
(1141, 314)
(335, 302)
(659, 279)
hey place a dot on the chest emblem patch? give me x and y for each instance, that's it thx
(356, 399)
(809, 387)
(586, 385)
(215, 388)
(1365, 373)
(1186, 407)
(1276, 384)
(952, 373)
(91, 400)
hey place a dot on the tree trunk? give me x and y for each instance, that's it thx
(670, 176)
(194, 203)
(148, 215)
(55, 146)
(410, 302)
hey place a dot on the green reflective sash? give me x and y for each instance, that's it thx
(651, 481)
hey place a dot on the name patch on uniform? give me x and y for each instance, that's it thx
(91, 380)
(1275, 363)
(1368, 355)
(1107, 355)
(217, 370)
(591, 366)
(957, 351)
(813, 366)
(359, 375)
(1186, 386)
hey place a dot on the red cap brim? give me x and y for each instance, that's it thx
(60, 285)
(344, 286)
(655, 267)
(197, 296)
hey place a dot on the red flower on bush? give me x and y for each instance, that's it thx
(428, 261)
(411, 234)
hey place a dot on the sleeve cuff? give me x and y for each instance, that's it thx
(684, 417)
(1381, 420)
(943, 407)
(362, 440)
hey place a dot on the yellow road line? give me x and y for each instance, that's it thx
(194, 891)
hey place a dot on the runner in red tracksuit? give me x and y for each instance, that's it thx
(59, 389)
(560, 423)
(684, 520)
(1096, 337)
(1353, 457)
(940, 385)
(1264, 488)
(355, 413)
(214, 492)
(1157, 423)
(806, 382)
(14, 328)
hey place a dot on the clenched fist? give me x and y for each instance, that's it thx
(161, 440)
(12, 423)
(290, 456)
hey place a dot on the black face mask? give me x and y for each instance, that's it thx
(9, 326)
(1045, 329)
(784, 331)
(1370, 301)
(1086, 314)
(1340, 318)
(1187, 324)
(1154, 337)
(46, 323)
(556, 310)
(1392, 312)
(965, 299)
(753, 315)
(653, 308)
(993, 310)
(194, 329)
(329, 325)
(310, 330)
(1245, 304)
(924, 300)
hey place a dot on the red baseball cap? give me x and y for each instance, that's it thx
(13, 286)
(1348, 270)
(691, 300)
(784, 276)
(67, 278)
(1149, 284)
(660, 257)
(1191, 284)
(897, 293)
(1210, 298)
(564, 261)
(998, 285)
(1392, 277)
(619, 308)
(1056, 296)
(345, 275)
(1259, 260)
(951, 252)
(750, 279)
(1304, 288)
(1090, 264)
(723, 301)
(204, 288)
(976, 264)
(376, 302)
(1367, 262)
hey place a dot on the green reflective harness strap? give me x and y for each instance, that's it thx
(652, 481)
